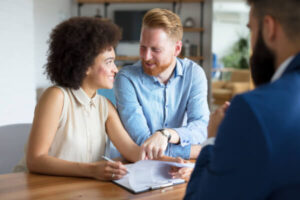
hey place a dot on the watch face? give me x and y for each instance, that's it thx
(167, 133)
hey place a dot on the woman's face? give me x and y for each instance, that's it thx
(102, 73)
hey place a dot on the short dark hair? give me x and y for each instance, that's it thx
(285, 11)
(73, 46)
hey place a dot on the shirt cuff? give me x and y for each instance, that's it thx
(209, 141)
(179, 151)
(183, 137)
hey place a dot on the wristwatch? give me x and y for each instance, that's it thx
(165, 133)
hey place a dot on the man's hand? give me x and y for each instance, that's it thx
(215, 119)
(178, 172)
(155, 146)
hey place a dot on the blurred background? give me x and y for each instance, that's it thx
(215, 36)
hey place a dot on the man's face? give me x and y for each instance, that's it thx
(262, 61)
(157, 50)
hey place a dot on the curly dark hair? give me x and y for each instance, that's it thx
(74, 45)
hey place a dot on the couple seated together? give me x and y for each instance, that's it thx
(162, 111)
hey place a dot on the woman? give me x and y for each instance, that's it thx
(71, 121)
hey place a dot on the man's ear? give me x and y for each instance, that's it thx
(269, 30)
(178, 47)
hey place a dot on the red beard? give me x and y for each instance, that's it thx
(156, 70)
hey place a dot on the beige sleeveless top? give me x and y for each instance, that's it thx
(81, 135)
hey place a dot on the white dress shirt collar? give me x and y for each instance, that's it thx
(278, 73)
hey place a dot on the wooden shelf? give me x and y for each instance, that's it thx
(139, 1)
(194, 29)
(136, 58)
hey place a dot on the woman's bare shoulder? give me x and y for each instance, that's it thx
(52, 96)
(53, 93)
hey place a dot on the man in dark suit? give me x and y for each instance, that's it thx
(256, 154)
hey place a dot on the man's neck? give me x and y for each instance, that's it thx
(284, 52)
(165, 76)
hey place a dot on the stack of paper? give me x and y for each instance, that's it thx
(145, 175)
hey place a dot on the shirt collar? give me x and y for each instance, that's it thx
(83, 98)
(178, 68)
(282, 68)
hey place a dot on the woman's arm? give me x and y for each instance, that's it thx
(44, 127)
(119, 136)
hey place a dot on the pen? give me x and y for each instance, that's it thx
(110, 160)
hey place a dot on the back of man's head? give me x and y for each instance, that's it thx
(165, 19)
(285, 11)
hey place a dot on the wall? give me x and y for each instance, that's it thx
(17, 81)
(47, 14)
(23, 53)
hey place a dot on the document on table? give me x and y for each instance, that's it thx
(147, 175)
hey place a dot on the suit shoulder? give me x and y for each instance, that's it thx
(260, 100)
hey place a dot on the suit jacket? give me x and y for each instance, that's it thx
(257, 150)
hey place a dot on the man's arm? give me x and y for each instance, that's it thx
(195, 132)
(236, 166)
(130, 111)
(187, 152)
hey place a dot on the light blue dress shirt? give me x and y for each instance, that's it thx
(146, 105)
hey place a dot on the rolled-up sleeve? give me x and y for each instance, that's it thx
(195, 131)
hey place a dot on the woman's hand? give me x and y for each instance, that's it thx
(179, 172)
(107, 170)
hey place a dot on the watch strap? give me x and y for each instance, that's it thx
(165, 133)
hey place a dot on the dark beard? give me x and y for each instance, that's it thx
(262, 62)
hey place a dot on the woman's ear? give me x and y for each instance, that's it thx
(88, 71)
